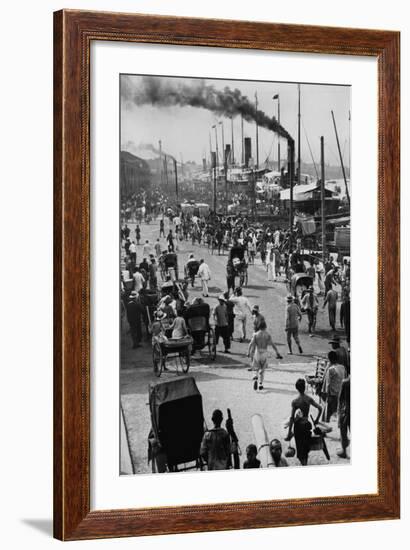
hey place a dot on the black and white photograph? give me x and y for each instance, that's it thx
(234, 270)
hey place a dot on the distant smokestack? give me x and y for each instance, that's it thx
(248, 150)
(227, 153)
(204, 164)
(213, 159)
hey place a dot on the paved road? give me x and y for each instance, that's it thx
(227, 382)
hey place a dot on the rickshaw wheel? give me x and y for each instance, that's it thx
(212, 344)
(157, 359)
(185, 360)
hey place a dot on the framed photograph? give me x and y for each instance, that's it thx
(226, 275)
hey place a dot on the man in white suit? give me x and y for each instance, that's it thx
(204, 273)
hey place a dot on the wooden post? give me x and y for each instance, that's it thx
(322, 196)
(341, 159)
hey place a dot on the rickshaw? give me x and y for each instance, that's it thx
(239, 265)
(168, 348)
(299, 283)
(197, 320)
(169, 265)
(191, 270)
(177, 426)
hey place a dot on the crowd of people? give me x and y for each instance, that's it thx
(233, 313)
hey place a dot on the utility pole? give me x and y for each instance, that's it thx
(341, 159)
(243, 155)
(160, 162)
(233, 148)
(298, 134)
(166, 170)
(349, 142)
(322, 196)
(257, 132)
(176, 179)
(182, 163)
(291, 175)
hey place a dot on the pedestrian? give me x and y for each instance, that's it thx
(134, 312)
(320, 273)
(330, 279)
(343, 410)
(170, 239)
(139, 280)
(126, 232)
(276, 254)
(331, 301)
(157, 248)
(222, 324)
(230, 276)
(231, 315)
(270, 266)
(127, 245)
(152, 273)
(216, 444)
(241, 307)
(146, 249)
(204, 273)
(144, 267)
(138, 233)
(161, 228)
(293, 316)
(275, 448)
(257, 318)
(310, 304)
(133, 252)
(258, 352)
(299, 421)
(332, 384)
(251, 460)
(343, 355)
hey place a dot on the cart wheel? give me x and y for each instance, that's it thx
(157, 359)
(185, 360)
(212, 344)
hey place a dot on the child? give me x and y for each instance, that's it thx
(276, 452)
(251, 460)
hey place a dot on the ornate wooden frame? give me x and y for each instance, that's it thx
(73, 33)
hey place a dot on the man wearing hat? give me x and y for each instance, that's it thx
(310, 304)
(221, 323)
(343, 356)
(135, 311)
(293, 316)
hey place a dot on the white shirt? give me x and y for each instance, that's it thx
(146, 250)
(133, 248)
(242, 305)
(204, 272)
(138, 281)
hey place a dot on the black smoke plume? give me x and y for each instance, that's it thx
(166, 93)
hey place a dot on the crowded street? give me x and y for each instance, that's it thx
(227, 381)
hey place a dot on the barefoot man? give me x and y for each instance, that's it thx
(258, 350)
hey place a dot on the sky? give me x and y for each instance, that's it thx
(186, 132)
